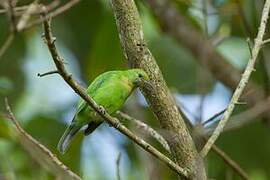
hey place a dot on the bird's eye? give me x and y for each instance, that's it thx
(140, 75)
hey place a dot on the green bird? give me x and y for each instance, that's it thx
(109, 90)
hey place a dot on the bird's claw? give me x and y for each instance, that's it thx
(117, 125)
(102, 110)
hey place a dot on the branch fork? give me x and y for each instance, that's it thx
(100, 110)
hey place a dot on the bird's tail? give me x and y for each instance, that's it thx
(66, 138)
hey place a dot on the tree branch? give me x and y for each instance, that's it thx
(230, 162)
(56, 12)
(243, 82)
(175, 24)
(19, 10)
(11, 5)
(29, 10)
(248, 116)
(245, 117)
(205, 53)
(150, 131)
(6, 44)
(26, 16)
(144, 127)
(159, 98)
(39, 152)
(50, 40)
(47, 73)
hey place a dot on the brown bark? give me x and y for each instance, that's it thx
(158, 96)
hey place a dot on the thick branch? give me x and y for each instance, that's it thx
(151, 132)
(243, 82)
(50, 40)
(159, 98)
(176, 25)
(205, 53)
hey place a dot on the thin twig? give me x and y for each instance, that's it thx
(6, 44)
(243, 82)
(11, 6)
(22, 24)
(205, 17)
(28, 142)
(178, 26)
(47, 73)
(19, 10)
(11, 116)
(243, 18)
(230, 162)
(249, 46)
(56, 12)
(248, 116)
(50, 41)
(144, 127)
(148, 130)
(118, 166)
(26, 16)
(266, 41)
(10, 9)
(213, 117)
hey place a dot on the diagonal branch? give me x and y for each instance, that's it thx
(47, 73)
(26, 16)
(10, 9)
(23, 22)
(246, 117)
(39, 152)
(56, 12)
(243, 82)
(159, 97)
(141, 125)
(205, 53)
(19, 10)
(230, 162)
(6, 44)
(148, 130)
(50, 41)
(249, 115)
(175, 24)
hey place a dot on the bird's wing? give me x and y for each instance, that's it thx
(93, 88)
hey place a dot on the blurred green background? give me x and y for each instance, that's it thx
(88, 40)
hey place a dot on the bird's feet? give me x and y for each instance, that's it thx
(102, 110)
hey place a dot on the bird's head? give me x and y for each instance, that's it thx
(138, 77)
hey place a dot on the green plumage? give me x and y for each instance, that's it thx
(109, 90)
